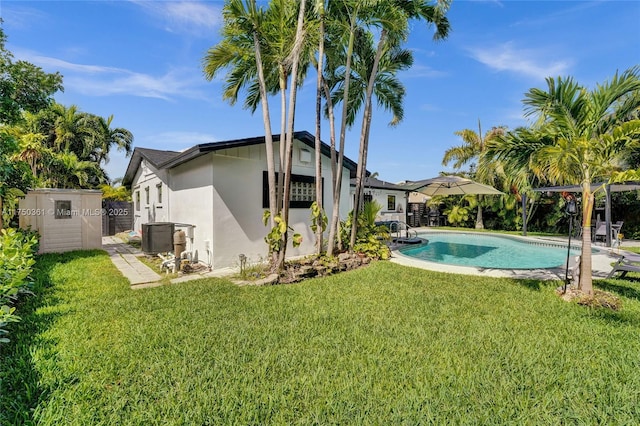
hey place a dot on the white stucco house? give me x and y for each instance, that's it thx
(391, 197)
(221, 189)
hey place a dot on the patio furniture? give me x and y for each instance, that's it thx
(601, 232)
(623, 266)
(615, 231)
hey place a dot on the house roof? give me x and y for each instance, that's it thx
(156, 156)
(169, 159)
(370, 182)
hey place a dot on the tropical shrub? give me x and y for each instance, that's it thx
(458, 214)
(17, 251)
(274, 238)
(115, 193)
(370, 238)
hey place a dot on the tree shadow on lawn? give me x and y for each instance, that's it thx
(20, 388)
(534, 284)
(623, 288)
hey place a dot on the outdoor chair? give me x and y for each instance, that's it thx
(601, 232)
(623, 266)
(615, 231)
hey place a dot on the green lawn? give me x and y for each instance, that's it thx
(381, 345)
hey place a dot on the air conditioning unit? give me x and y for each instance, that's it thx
(157, 237)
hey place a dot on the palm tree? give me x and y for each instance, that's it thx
(71, 129)
(577, 138)
(320, 12)
(471, 150)
(67, 171)
(240, 53)
(389, 93)
(261, 52)
(62, 130)
(351, 12)
(103, 137)
(392, 18)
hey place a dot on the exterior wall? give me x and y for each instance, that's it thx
(190, 201)
(220, 194)
(238, 208)
(81, 229)
(398, 212)
(149, 181)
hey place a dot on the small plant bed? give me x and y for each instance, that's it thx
(599, 299)
(311, 267)
(301, 269)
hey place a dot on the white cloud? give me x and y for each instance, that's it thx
(186, 17)
(20, 17)
(175, 141)
(430, 107)
(98, 80)
(422, 71)
(528, 62)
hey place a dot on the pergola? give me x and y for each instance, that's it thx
(609, 188)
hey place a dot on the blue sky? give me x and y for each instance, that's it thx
(141, 62)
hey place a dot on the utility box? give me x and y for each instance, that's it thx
(66, 219)
(157, 237)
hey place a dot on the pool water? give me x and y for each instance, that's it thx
(488, 251)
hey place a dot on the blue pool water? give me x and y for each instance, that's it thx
(488, 251)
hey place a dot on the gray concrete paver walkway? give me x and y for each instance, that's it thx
(124, 257)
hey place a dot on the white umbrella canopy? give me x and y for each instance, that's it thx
(450, 185)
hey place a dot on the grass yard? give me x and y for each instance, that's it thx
(381, 345)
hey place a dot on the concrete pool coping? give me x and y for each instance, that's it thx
(602, 260)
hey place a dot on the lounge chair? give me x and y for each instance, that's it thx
(623, 266)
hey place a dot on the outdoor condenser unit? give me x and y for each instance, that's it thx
(157, 237)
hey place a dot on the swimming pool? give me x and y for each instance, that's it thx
(489, 251)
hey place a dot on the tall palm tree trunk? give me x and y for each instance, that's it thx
(283, 130)
(364, 139)
(319, 195)
(268, 136)
(479, 221)
(586, 280)
(335, 216)
(290, 124)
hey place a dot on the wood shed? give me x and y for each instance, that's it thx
(66, 219)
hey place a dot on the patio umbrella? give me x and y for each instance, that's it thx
(450, 185)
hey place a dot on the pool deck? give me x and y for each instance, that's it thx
(601, 262)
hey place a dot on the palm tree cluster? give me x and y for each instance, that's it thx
(65, 147)
(355, 47)
(577, 137)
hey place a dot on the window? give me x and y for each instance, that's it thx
(138, 200)
(146, 195)
(302, 192)
(368, 198)
(391, 202)
(63, 209)
(159, 188)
